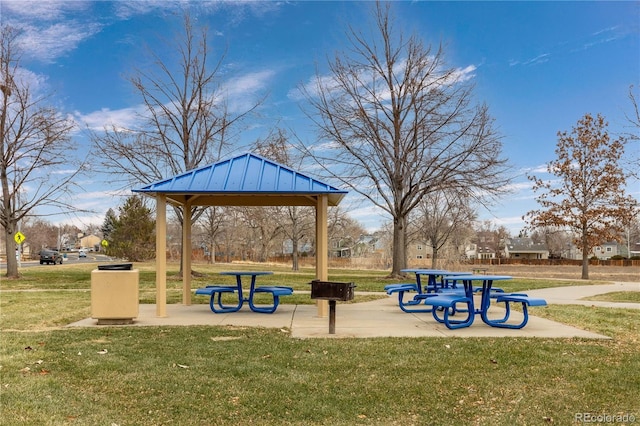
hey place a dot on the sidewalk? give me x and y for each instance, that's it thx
(380, 318)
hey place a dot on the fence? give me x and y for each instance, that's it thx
(384, 264)
(555, 262)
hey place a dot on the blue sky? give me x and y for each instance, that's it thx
(540, 66)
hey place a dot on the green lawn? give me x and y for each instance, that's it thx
(50, 375)
(618, 296)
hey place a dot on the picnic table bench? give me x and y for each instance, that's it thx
(447, 301)
(508, 298)
(215, 292)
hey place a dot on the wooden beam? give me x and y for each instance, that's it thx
(186, 254)
(161, 255)
(236, 199)
(322, 249)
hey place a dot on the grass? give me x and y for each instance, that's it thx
(51, 375)
(618, 296)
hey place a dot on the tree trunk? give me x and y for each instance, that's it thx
(585, 263)
(399, 247)
(12, 262)
(434, 257)
(294, 254)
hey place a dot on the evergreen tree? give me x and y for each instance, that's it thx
(132, 236)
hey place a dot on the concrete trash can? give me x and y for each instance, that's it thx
(115, 294)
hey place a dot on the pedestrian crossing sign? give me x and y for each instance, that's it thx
(19, 237)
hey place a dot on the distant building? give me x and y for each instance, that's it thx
(485, 245)
(525, 248)
(419, 250)
(607, 250)
(88, 242)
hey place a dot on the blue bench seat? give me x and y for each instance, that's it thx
(407, 306)
(394, 288)
(447, 304)
(215, 293)
(276, 292)
(507, 299)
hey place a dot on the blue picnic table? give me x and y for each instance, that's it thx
(446, 303)
(432, 285)
(216, 292)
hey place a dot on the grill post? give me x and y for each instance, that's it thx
(332, 291)
(332, 317)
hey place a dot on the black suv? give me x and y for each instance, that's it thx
(50, 256)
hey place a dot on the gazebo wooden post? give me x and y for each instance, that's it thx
(161, 255)
(186, 254)
(322, 249)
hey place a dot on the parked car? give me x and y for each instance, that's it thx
(82, 253)
(50, 256)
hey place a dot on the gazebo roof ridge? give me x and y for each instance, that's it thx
(240, 176)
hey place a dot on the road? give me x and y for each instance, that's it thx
(72, 258)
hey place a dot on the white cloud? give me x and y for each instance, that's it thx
(513, 223)
(120, 119)
(42, 10)
(49, 29)
(518, 186)
(540, 59)
(37, 83)
(49, 43)
(537, 169)
(237, 9)
(242, 92)
(81, 221)
(329, 84)
(370, 217)
(64, 172)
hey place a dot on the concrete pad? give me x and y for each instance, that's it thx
(575, 295)
(379, 318)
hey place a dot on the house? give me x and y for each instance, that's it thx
(88, 242)
(525, 248)
(607, 250)
(485, 245)
(419, 250)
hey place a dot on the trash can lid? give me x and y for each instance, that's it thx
(116, 267)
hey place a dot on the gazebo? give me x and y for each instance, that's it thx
(245, 180)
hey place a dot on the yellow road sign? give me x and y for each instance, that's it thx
(19, 237)
(105, 243)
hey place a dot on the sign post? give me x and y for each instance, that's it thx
(19, 239)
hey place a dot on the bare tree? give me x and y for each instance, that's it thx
(557, 240)
(212, 224)
(35, 142)
(343, 231)
(185, 123)
(263, 232)
(633, 136)
(296, 223)
(440, 216)
(400, 124)
(490, 239)
(589, 198)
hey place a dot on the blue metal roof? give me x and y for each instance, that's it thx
(242, 176)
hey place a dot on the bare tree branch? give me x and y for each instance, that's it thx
(398, 124)
(185, 124)
(35, 169)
